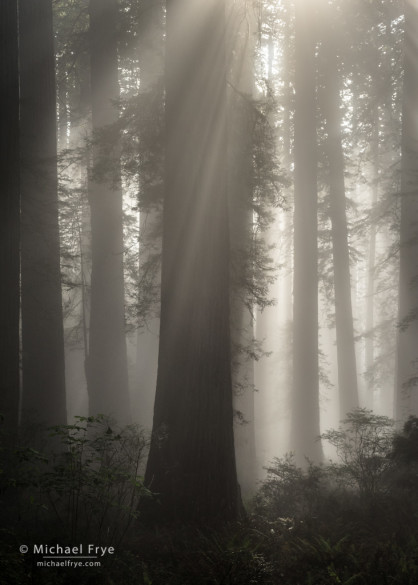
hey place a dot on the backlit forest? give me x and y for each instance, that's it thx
(209, 291)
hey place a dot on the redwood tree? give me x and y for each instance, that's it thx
(346, 357)
(407, 373)
(106, 368)
(42, 324)
(9, 214)
(191, 462)
(305, 411)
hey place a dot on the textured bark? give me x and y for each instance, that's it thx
(346, 357)
(192, 462)
(242, 29)
(305, 412)
(9, 215)
(407, 354)
(42, 327)
(151, 65)
(106, 368)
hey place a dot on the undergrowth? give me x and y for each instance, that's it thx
(305, 526)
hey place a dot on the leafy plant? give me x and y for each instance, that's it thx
(88, 487)
(290, 493)
(363, 443)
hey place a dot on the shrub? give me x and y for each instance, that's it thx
(363, 444)
(290, 493)
(86, 486)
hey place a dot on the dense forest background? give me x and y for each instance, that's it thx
(208, 301)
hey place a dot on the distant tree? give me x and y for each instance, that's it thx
(151, 68)
(407, 354)
(305, 398)
(106, 368)
(242, 112)
(9, 214)
(191, 462)
(331, 102)
(42, 323)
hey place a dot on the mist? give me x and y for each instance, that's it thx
(209, 291)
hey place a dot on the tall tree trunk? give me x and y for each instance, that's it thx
(151, 66)
(242, 28)
(305, 412)
(273, 373)
(407, 374)
(346, 357)
(42, 321)
(192, 461)
(107, 371)
(371, 263)
(9, 215)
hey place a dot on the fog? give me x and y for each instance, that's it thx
(260, 58)
(209, 282)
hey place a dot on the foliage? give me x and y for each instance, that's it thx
(312, 529)
(290, 492)
(187, 556)
(302, 527)
(404, 456)
(363, 442)
(85, 483)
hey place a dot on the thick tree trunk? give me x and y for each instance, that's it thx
(107, 372)
(9, 215)
(407, 354)
(42, 325)
(305, 412)
(346, 357)
(192, 462)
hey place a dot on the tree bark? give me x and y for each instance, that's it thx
(192, 461)
(106, 369)
(242, 29)
(42, 321)
(151, 65)
(346, 357)
(407, 373)
(9, 215)
(305, 412)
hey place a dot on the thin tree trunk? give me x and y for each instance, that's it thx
(370, 294)
(240, 115)
(9, 215)
(42, 320)
(107, 371)
(407, 373)
(305, 412)
(151, 65)
(346, 357)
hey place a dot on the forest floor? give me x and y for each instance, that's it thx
(352, 523)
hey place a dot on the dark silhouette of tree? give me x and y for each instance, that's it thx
(42, 328)
(106, 368)
(407, 376)
(191, 462)
(9, 214)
